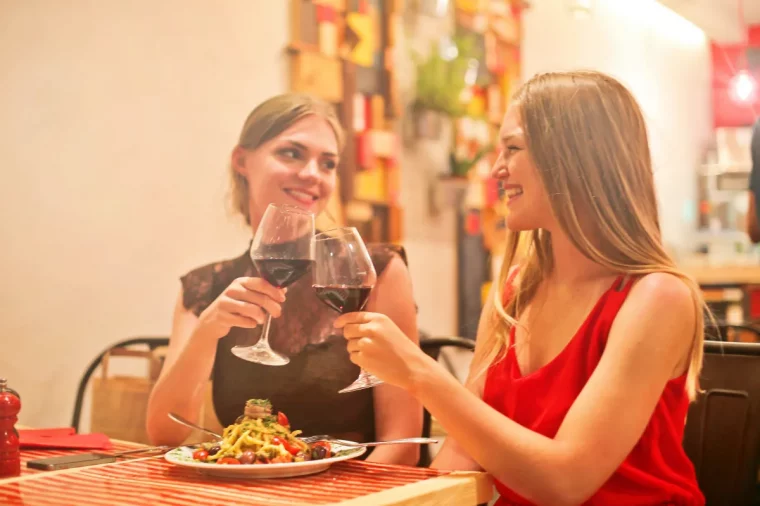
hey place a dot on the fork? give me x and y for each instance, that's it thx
(183, 421)
(147, 449)
(342, 442)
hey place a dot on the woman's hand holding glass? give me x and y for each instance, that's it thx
(245, 303)
(378, 346)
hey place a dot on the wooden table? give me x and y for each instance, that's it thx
(732, 291)
(707, 274)
(152, 480)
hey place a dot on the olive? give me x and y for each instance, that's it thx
(318, 453)
(214, 450)
(247, 458)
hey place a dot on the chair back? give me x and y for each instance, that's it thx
(732, 332)
(722, 434)
(114, 396)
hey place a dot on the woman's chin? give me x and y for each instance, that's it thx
(518, 223)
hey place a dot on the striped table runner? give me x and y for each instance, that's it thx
(155, 481)
(44, 453)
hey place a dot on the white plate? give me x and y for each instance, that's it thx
(183, 456)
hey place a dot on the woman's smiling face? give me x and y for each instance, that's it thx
(298, 167)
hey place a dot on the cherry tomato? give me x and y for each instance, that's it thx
(201, 455)
(290, 448)
(228, 461)
(282, 419)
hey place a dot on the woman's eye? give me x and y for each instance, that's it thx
(513, 149)
(330, 164)
(289, 153)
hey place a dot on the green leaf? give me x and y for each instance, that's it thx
(440, 82)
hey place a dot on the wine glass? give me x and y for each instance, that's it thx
(343, 279)
(282, 251)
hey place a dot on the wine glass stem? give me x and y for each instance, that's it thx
(264, 339)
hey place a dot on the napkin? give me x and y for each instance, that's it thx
(65, 437)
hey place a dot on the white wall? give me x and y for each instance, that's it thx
(663, 59)
(117, 121)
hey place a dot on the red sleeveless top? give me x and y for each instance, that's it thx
(656, 472)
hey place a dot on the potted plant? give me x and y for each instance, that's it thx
(442, 78)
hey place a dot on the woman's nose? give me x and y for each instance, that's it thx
(500, 170)
(310, 170)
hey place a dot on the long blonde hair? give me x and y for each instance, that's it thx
(588, 139)
(268, 120)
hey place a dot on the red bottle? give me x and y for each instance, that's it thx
(10, 458)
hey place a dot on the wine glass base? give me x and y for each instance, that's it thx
(361, 383)
(262, 356)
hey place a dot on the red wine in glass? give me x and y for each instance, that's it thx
(282, 251)
(344, 299)
(282, 272)
(343, 279)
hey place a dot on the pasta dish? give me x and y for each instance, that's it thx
(259, 437)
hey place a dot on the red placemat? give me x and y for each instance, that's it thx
(155, 481)
(62, 438)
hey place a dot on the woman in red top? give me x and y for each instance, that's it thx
(589, 350)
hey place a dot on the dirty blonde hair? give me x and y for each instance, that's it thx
(268, 120)
(588, 139)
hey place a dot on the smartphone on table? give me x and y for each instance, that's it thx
(71, 461)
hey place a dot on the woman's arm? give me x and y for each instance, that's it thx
(179, 388)
(452, 455)
(648, 344)
(397, 413)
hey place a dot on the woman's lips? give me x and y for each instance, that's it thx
(301, 196)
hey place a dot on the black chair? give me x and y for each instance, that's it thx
(432, 347)
(151, 342)
(722, 434)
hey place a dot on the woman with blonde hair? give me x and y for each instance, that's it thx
(589, 351)
(288, 154)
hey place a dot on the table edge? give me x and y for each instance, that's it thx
(480, 486)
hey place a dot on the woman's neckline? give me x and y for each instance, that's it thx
(570, 344)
